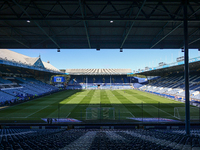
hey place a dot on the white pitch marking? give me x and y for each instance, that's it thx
(132, 114)
(68, 114)
(37, 111)
(164, 111)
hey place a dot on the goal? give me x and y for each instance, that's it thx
(179, 113)
(105, 113)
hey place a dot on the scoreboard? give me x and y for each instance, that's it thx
(58, 79)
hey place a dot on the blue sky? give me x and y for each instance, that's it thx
(106, 58)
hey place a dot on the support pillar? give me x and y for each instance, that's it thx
(186, 72)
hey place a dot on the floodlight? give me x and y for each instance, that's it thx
(28, 21)
(111, 21)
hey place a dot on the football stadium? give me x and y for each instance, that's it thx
(45, 107)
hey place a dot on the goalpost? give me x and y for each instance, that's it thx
(95, 113)
(179, 113)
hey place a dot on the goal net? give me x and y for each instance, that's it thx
(95, 113)
(179, 113)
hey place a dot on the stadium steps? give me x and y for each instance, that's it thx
(4, 91)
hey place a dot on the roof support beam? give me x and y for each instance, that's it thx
(99, 19)
(15, 39)
(36, 24)
(12, 9)
(194, 41)
(57, 33)
(38, 10)
(154, 9)
(85, 24)
(127, 23)
(167, 10)
(173, 29)
(75, 11)
(50, 10)
(194, 32)
(25, 9)
(115, 9)
(142, 11)
(2, 5)
(90, 9)
(166, 35)
(130, 9)
(163, 11)
(50, 28)
(132, 25)
(63, 8)
(192, 10)
(102, 9)
(176, 13)
(17, 32)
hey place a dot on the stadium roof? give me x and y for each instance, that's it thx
(99, 24)
(16, 58)
(98, 71)
(176, 67)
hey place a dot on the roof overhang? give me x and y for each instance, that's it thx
(174, 69)
(99, 24)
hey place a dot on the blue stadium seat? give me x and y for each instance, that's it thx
(93, 139)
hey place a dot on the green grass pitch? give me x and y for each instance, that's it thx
(85, 105)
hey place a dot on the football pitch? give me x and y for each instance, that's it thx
(97, 106)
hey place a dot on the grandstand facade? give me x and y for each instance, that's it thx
(11, 58)
(99, 79)
(24, 78)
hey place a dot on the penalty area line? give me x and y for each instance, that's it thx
(165, 112)
(132, 114)
(68, 114)
(37, 111)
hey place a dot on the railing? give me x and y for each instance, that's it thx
(169, 65)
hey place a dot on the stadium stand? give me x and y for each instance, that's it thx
(91, 139)
(98, 71)
(99, 79)
(3, 81)
(25, 88)
(17, 77)
(12, 58)
(173, 86)
(20, 88)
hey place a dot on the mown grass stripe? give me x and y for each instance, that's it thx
(24, 109)
(80, 109)
(152, 108)
(105, 102)
(136, 110)
(52, 108)
(96, 98)
(166, 105)
(66, 106)
(118, 106)
(73, 103)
